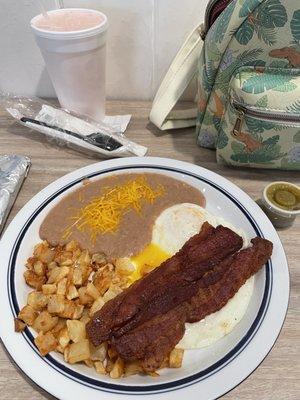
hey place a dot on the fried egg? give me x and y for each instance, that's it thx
(171, 230)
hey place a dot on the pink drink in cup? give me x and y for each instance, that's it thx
(73, 44)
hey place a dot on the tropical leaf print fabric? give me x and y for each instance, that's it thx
(252, 54)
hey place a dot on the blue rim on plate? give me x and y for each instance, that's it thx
(156, 388)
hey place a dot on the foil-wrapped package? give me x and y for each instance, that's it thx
(13, 171)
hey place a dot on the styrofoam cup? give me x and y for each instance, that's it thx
(75, 61)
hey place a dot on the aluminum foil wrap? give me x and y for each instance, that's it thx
(13, 171)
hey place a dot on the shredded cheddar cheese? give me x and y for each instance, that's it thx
(103, 214)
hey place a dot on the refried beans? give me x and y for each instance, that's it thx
(134, 231)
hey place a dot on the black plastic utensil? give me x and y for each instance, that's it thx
(98, 139)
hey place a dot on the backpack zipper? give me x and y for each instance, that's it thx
(243, 111)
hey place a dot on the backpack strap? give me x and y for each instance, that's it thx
(181, 72)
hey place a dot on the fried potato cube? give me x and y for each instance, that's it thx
(33, 280)
(72, 246)
(19, 325)
(102, 280)
(84, 258)
(52, 265)
(124, 266)
(97, 305)
(63, 338)
(98, 353)
(118, 369)
(49, 288)
(132, 368)
(47, 255)
(72, 292)
(37, 300)
(112, 292)
(39, 268)
(56, 304)
(77, 277)
(89, 363)
(44, 322)
(28, 315)
(112, 354)
(109, 365)
(66, 353)
(78, 311)
(45, 343)
(84, 298)
(61, 324)
(99, 259)
(76, 330)
(69, 309)
(62, 286)
(92, 291)
(58, 274)
(85, 318)
(99, 367)
(30, 261)
(175, 358)
(79, 351)
(39, 248)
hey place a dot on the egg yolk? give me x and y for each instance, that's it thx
(151, 257)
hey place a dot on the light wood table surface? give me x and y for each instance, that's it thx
(278, 377)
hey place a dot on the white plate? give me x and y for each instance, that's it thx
(211, 371)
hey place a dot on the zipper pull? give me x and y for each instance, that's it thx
(238, 124)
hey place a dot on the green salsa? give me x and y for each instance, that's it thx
(284, 196)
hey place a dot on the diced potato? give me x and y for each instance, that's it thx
(56, 304)
(92, 291)
(99, 259)
(112, 354)
(99, 367)
(85, 318)
(69, 309)
(44, 322)
(109, 365)
(71, 246)
(47, 255)
(78, 311)
(76, 330)
(52, 265)
(19, 325)
(118, 369)
(84, 298)
(49, 288)
(79, 351)
(66, 353)
(112, 292)
(45, 342)
(72, 292)
(89, 363)
(28, 314)
(84, 258)
(60, 349)
(40, 248)
(33, 280)
(97, 305)
(39, 268)
(63, 338)
(101, 282)
(77, 277)
(30, 262)
(62, 287)
(175, 358)
(37, 300)
(57, 274)
(61, 324)
(132, 368)
(98, 353)
(124, 266)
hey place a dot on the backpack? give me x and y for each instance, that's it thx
(246, 57)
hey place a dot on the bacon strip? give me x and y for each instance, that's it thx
(151, 342)
(173, 283)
